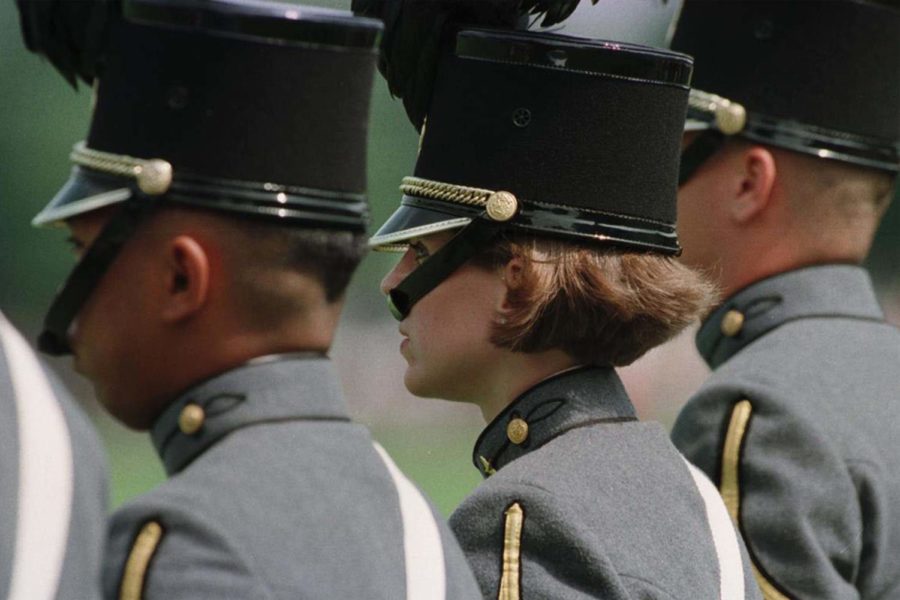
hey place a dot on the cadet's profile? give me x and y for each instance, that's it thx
(219, 208)
(791, 154)
(538, 240)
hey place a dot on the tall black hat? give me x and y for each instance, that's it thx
(821, 77)
(547, 134)
(255, 108)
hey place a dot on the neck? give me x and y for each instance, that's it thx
(516, 374)
(748, 268)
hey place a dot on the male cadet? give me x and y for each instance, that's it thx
(52, 484)
(219, 205)
(797, 106)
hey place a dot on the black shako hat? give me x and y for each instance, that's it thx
(256, 108)
(547, 134)
(821, 77)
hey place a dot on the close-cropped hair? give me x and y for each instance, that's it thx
(601, 305)
(329, 256)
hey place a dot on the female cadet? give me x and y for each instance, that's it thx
(539, 235)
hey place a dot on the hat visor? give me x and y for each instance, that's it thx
(85, 191)
(697, 125)
(409, 222)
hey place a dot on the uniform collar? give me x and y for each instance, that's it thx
(829, 291)
(268, 389)
(574, 398)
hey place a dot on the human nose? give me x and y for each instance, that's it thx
(403, 267)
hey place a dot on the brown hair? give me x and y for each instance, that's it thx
(599, 305)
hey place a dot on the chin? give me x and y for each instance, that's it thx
(124, 407)
(414, 384)
(422, 386)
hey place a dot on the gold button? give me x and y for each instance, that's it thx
(501, 206)
(732, 323)
(154, 176)
(517, 431)
(731, 118)
(191, 419)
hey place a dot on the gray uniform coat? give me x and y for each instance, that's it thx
(591, 503)
(273, 494)
(798, 424)
(53, 490)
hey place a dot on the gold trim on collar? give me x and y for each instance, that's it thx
(510, 580)
(138, 560)
(154, 176)
(487, 466)
(730, 487)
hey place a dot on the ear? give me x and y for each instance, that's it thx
(753, 195)
(187, 278)
(512, 274)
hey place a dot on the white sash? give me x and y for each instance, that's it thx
(728, 550)
(45, 475)
(422, 548)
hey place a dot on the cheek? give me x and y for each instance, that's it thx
(110, 324)
(450, 346)
(696, 225)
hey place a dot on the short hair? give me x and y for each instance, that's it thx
(601, 305)
(265, 258)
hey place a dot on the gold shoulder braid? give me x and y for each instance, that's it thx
(731, 488)
(512, 554)
(138, 560)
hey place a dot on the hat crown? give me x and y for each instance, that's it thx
(828, 67)
(259, 107)
(564, 124)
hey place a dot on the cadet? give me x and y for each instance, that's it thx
(539, 238)
(797, 119)
(52, 484)
(218, 203)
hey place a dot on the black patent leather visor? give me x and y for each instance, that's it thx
(84, 192)
(88, 190)
(413, 219)
(881, 154)
(418, 217)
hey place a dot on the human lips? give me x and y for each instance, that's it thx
(404, 343)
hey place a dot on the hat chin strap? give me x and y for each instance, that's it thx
(464, 245)
(54, 339)
(707, 143)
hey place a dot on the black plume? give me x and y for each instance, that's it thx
(70, 33)
(416, 29)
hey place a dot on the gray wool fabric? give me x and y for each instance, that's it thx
(610, 509)
(79, 575)
(819, 467)
(277, 496)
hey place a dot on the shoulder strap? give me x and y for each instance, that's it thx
(426, 578)
(46, 476)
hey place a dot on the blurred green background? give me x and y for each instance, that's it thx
(41, 117)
